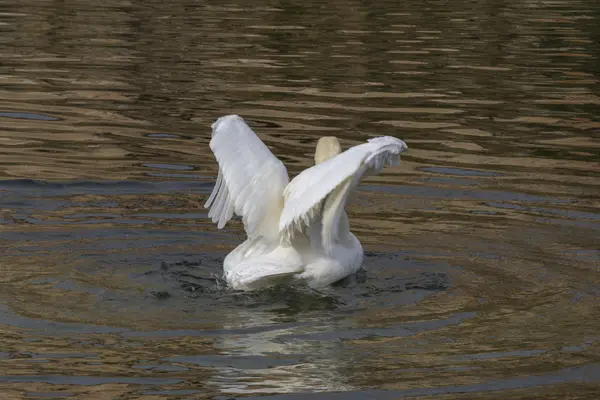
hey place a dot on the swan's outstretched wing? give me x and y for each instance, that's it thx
(319, 193)
(250, 182)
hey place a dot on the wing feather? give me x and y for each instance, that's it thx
(321, 191)
(250, 181)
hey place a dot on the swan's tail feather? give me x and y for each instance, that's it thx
(259, 275)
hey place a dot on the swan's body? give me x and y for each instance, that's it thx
(296, 230)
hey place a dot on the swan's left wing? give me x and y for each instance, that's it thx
(250, 182)
(321, 191)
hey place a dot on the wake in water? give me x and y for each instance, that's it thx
(201, 279)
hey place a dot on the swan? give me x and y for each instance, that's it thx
(298, 230)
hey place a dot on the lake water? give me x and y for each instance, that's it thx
(482, 249)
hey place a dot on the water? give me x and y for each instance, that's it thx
(482, 267)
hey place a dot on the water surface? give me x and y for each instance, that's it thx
(482, 267)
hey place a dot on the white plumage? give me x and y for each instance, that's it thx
(250, 182)
(296, 230)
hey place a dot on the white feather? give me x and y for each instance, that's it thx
(305, 193)
(296, 230)
(250, 182)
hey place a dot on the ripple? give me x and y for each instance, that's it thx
(481, 254)
(481, 67)
(459, 171)
(29, 116)
(176, 167)
(163, 135)
(180, 392)
(419, 125)
(239, 362)
(585, 373)
(49, 395)
(86, 380)
(469, 132)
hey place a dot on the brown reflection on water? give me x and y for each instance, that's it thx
(482, 262)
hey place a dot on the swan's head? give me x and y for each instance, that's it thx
(327, 147)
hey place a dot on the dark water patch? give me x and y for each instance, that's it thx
(579, 348)
(175, 167)
(208, 333)
(499, 354)
(255, 123)
(406, 290)
(585, 255)
(582, 374)
(72, 286)
(539, 210)
(64, 355)
(164, 136)
(160, 367)
(434, 281)
(87, 380)
(174, 392)
(24, 219)
(195, 278)
(52, 327)
(161, 295)
(29, 116)
(201, 278)
(458, 171)
(179, 176)
(374, 333)
(238, 362)
(49, 395)
(111, 238)
(171, 216)
(463, 194)
(358, 278)
(288, 300)
(591, 225)
(452, 181)
(31, 187)
(93, 215)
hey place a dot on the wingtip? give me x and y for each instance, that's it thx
(381, 140)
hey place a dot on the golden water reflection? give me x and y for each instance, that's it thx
(482, 261)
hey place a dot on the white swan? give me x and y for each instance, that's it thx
(296, 230)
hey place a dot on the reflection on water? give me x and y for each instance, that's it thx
(482, 263)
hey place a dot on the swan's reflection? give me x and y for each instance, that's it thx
(276, 357)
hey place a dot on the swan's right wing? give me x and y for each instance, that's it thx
(320, 192)
(250, 181)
